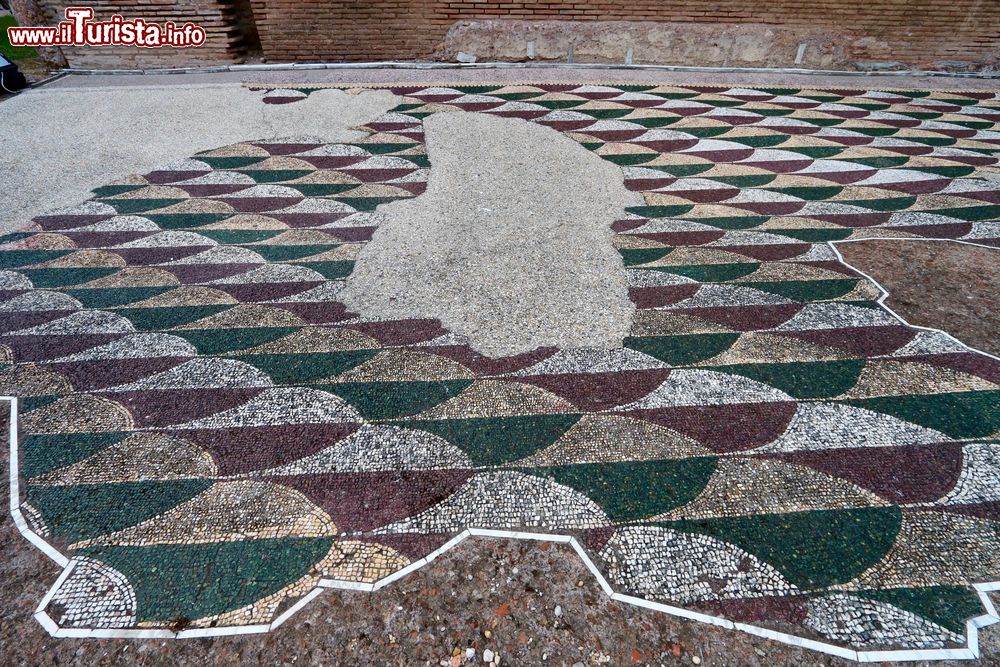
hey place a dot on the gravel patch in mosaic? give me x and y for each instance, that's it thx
(116, 146)
(439, 257)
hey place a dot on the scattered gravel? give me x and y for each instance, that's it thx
(58, 144)
(457, 252)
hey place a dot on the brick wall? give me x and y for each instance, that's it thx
(223, 42)
(916, 32)
(912, 31)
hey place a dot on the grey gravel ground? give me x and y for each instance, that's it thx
(457, 253)
(58, 144)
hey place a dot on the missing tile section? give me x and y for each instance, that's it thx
(941, 284)
(511, 244)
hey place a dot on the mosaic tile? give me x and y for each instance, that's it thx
(207, 433)
(682, 567)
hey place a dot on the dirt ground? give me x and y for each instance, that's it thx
(941, 284)
(501, 595)
(485, 594)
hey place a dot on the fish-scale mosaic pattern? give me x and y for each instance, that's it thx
(208, 434)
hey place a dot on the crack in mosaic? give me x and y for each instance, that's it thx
(207, 434)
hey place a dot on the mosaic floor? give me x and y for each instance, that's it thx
(206, 436)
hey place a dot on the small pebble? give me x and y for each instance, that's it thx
(487, 655)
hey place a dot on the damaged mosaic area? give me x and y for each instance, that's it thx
(208, 435)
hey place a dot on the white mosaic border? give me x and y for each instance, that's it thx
(972, 626)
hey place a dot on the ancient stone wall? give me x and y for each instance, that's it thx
(914, 32)
(836, 33)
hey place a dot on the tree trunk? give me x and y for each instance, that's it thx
(30, 12)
